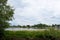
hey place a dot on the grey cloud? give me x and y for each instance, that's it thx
(36, 11)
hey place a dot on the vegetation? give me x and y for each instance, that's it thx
(50, 34)
(6, 14)
(38, 26)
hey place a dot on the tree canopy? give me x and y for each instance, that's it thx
(6, 14)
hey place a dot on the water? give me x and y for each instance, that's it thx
(20, 29)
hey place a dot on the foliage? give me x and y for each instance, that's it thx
(39, 26)
(6, 14)
(46, 34)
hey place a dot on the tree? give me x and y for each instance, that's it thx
(6, 14)
(28, 26)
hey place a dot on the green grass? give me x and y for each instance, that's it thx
(33, 34)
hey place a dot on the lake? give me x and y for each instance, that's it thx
(20, 29)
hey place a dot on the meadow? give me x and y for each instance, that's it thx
(50, 34)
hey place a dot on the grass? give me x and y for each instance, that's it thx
(46, 34)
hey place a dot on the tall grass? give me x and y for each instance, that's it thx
(47, 34)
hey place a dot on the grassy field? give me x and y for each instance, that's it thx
(50, 34)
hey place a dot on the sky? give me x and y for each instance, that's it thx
(30, 12)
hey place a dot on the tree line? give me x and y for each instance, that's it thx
(39, 26)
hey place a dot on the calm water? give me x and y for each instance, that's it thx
(19, 29)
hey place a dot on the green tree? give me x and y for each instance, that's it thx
(28, 26)
(6, 14)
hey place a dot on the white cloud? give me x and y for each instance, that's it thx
(36, 11)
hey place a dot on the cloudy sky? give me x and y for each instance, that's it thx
(35, 11)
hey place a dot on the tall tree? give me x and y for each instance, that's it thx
(6, 14)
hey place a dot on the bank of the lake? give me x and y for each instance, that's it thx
(50, 34)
